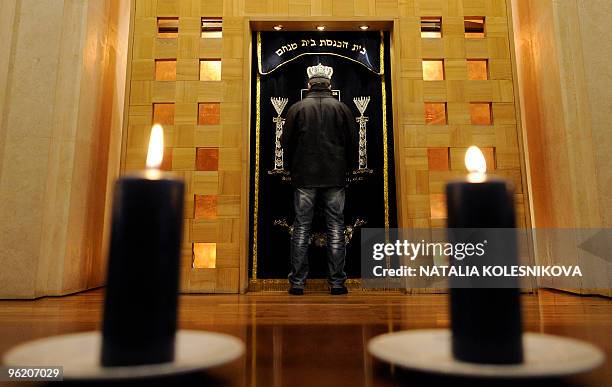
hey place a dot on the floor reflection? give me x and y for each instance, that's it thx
(316, 340)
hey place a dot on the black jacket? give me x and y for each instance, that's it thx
(320, 141)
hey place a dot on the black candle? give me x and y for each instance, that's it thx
(485, 319)
(140, 309)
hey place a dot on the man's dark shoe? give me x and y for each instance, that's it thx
(296, 291)
(338, 291)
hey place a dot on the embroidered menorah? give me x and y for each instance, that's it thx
(362, 105)
(279, 104)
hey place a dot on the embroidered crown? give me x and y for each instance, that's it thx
(320, 71)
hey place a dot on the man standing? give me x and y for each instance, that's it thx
(320, 144)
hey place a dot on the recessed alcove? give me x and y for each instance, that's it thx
(212, 28)
(474, 27)
(431, 27)
(167, 27)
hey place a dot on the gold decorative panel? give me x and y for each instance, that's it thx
(489, 154)
(433, 70)
(437, 159)
(435, 113)
(209, 113)
(207, 159)
(166, 164)
(165, 70)
(210, 70)
(478, 69)
(205, 207)
(163, 113)
(437, 204)
(480, 113)
(204, 255)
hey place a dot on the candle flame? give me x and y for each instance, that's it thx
(475, 160)
(476, 164)
(155, 154)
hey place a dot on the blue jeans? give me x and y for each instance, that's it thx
(304, 200)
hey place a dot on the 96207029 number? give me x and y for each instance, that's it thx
(32, 373)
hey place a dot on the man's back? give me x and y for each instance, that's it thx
(319, 141)
(320, 145)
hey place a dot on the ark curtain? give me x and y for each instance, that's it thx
(366, 197)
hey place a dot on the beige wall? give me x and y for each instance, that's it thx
(62, 81)
(564, 53)
(596, 39)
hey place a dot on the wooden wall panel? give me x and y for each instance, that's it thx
(457, 91)
(415, 181)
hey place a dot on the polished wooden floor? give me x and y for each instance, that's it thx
(317, 339)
